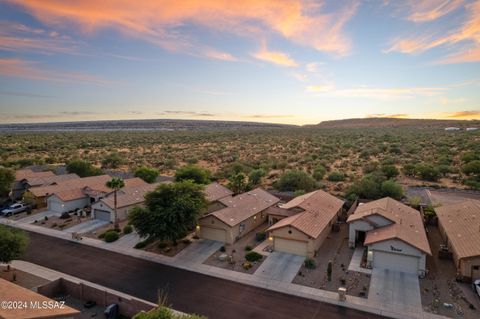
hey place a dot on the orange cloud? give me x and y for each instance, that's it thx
(467, 115)
(466, 38)
(278, 58)
(429, 10)
(31, 70)
(161, 21)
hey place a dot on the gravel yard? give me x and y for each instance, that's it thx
(238, 251)
(335, 248)
(441, 294)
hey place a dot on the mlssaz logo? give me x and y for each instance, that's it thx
(395, 249)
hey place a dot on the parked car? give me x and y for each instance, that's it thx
(14, 209)
(476, 287)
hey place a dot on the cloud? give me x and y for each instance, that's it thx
(24, 94)
(218, 55)
(275, 57)
(269, 116)
(12, 67)
(374, 93)
(383, 115)
(19, 37)
(430, 10)
(464, 41)
(165, 23)
(463, 115)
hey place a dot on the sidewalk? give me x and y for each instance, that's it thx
(352, 302)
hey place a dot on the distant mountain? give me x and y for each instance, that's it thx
(138, 125)
(396, 122)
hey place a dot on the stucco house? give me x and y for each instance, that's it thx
(459, 226)
(302, 233)
(79, 193)
(214, 192)
(241, 214)
(393, 234)
(127, 198)
(19, 187)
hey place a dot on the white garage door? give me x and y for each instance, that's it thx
(290, 246)
(396, 262)
(213, 233)
(55, 206)
(102, 215)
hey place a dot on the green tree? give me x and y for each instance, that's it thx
(368, 187)
(83, 168)
(148, 174)
(116, 183)
(428, 172)
(7, 177)
(170, 211)
(113, 160)
(194, 173)
(165, 313)
(13, 243)
(294, 180)
(255, 177)
(238, 183)
(390, 171)
(392, 189)
(472, 168)
(319, 172)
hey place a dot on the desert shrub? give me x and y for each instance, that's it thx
(141, 244)
(390, 171)
(310, 263)
(162, 245)
(194, 173)
(319, 172)
(336, 177)
(295, 180)
(248, 248)
(111, 236)
(261, 236)
(127, 229)
(82, 168)
(472, 168)
(148, 174)
(253, 256)
(113, 160)
(391, 189)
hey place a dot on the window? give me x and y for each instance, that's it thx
(476, 267)
(261, 215)
(213, 220)
(241, 228)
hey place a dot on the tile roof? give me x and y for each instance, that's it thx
(94, 182)
(49, 180)
(26, 173)
(11, 291)
(407, 223)
(129, 196)
(244, 206)
(215, 191)
(319, 209)
(277, 211)
(461, 222)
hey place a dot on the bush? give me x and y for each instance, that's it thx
(194, 173)
(222, 249)
(253, 256)
(127, 229)
(140, 244)
(261, 236)
(295, 180)
(162, 245)
(111, 236)
(148, 174)
(248, 248)
(310, 263)
(336, 177)
(319, 172)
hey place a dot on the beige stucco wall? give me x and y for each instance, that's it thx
(233, 233)
(466, 264)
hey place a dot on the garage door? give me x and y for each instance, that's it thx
(102, 215)
(55, 206)
(290, 246)
(395, 262)
(213, 233)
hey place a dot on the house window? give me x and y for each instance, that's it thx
(241, 228)
(261, 215)
(213, 220)
(476, 267)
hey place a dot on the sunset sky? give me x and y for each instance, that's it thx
(298, 62)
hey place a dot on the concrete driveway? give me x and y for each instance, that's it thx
(280, 266)
(399, 290)
(87, 226)
(127, 241)
(30, 219)
(199, 251)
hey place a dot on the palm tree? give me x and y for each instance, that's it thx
(115, 183)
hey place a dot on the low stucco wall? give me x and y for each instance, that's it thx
(127, 306)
